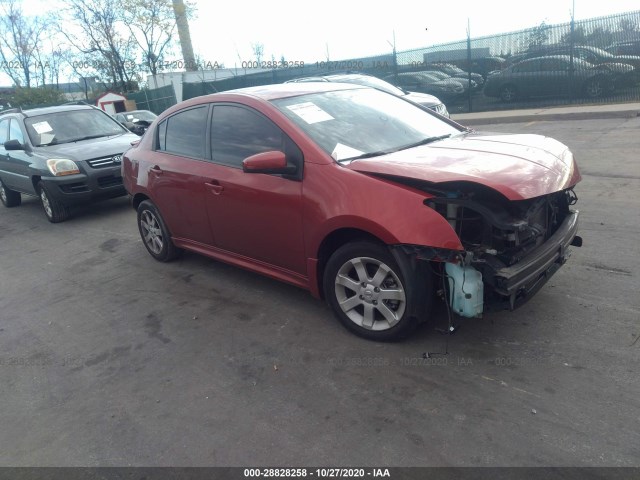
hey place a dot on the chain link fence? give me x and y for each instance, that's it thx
(587, 61)
(157, 99)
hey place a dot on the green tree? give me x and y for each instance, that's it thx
(538, 36)
(579, 36)
(103, 46)
(29, 97)
(152, 24)
(21, 40)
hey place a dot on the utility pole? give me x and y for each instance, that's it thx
(395, 57)
(182, 22)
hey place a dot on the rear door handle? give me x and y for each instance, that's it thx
(214, 187)
(156, 169)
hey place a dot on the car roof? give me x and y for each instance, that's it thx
(285, 90)
(33, 112)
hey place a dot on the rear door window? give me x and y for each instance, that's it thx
(185, 133)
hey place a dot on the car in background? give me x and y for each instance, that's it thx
(456, 72)
(430, 101)
(136, 121)
(360, 197)
(443, 76)
(552, 76)
(483, 65)
(595, 56)
(447, 89)
(66, 156)
(625, 48)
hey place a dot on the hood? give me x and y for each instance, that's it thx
(423, 99)
(93, 148)
(518, 166)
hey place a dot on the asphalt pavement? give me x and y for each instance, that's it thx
(109, 358)
(577, 112)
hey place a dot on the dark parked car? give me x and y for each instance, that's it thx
(552, 76)
(359, 196)
(136, 121)
(456, 72)
(595, 56)
(447, 89)
(443, 76)
(423, 99)
(67, 155)
(483, 65)
(625, 48)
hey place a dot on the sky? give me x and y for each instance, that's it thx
(306, 31)
(224, 31)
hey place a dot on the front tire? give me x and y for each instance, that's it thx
(372, 295)
(55, 210)
(155, 234)
(9, 197)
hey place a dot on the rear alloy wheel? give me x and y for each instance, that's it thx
(155, 234)
(9, 197)
(594, 88)
(55, 210)
(370, 294)
(508, 93)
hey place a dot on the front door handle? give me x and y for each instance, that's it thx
(214, 187)
(155, 169)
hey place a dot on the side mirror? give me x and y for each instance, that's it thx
(273, 162)
(13, 145)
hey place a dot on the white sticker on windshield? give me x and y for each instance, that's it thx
(340, 152)
(42, 127)
(310, 112)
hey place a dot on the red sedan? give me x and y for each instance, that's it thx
(361, 197)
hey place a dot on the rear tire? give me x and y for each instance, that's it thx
(374, 294)
(55, 210)
(595, 87)
(9, 197)
(155, 234)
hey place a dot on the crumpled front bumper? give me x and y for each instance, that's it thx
(514, 285)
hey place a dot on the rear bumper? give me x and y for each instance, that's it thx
(516, 284)
(82, 188)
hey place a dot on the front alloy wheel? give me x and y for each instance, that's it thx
(594, 88)
(372, 295)
(55, 210)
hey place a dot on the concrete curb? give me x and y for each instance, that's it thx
(519, 116)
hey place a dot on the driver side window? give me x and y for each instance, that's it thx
(15, 132)
(238, 133)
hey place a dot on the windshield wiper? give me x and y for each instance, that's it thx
(364, 155)
(405, 147)
(424, 141)
(88, 137)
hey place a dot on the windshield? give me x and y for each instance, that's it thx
(139, 115)
(70, 126)
(362, 122)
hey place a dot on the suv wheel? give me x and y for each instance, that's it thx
(372, 295)
(55, 210)
(8, 197)
(155, 234)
